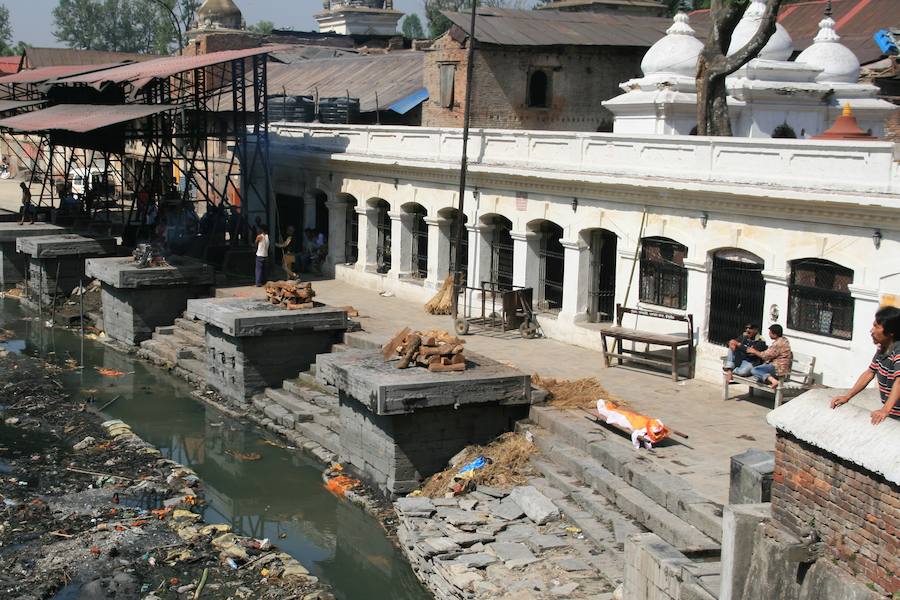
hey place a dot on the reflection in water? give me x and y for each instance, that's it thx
(281, 494)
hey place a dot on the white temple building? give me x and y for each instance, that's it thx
(771, 96)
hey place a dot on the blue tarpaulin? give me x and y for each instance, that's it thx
(404, 105)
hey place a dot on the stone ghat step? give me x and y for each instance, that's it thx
(196, 327)
(306, 385)
(581, 467)
(601, 530)
(323, 436)
(178, 347)
(362, 340)
(189, 338)
(302, 409)
(193, 366)
(158, 352)
(623, 466)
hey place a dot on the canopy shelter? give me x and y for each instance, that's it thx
(155, 129)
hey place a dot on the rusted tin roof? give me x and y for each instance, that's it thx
(45, 74)
(80, 118)
(140, 74)
(392, 76)
(855, 20)
(9, 64)
(506, 27)
(9, 105)
(36, 58)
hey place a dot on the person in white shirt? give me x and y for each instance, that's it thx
(262, 254)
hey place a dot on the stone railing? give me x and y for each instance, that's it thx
(808, 165)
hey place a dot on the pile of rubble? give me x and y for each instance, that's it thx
(293, 295)
(438, 351)
(495, 544)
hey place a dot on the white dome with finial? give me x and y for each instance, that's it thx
(837, 61)
(779, 47)
(676, 53)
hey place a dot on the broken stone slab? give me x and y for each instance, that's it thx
(518, 532)
(492, 491)
(507, 510)
(456, 516)
(466, 539)
(544, 541)
(417, 506)
(538, 507)
(476, 560)
(513, 554)
(564, 589)
(573, 564)
(438, 545)
(468, 503)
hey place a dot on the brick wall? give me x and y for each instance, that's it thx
(855, 512)
(581, 79)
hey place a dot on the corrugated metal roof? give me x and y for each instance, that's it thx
(45, 74)
(8, 105)
(36, 58)
(140, 74)
(300, 53)
(556, 28)
(557, 4)
(9, 64)
(81, 118)
(855, 20)
(393, 76)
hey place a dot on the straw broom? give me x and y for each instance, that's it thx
(442, 302)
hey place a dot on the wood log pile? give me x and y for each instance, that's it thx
(293, 295)
(436, 350)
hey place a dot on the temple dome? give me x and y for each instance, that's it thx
(223, 13)
(779, 47)
(837, 61)
(676, 53)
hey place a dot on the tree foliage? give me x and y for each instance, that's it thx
(412, 27)
(262, 27)
(143, 26)
(438, 23)
(7, 48)
(715, 64)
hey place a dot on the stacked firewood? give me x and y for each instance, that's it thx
(438, 351)
(293, 295)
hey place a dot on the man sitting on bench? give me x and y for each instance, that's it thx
(738, 362)
(778, 358)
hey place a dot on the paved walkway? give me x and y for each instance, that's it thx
(717, 429)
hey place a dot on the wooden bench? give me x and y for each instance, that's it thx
(620, 334)
(800, 378)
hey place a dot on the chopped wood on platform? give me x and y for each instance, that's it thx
(436, 350)
(293, 295)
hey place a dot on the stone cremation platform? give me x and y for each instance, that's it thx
(137, 300)
(56, 262)
(13, 264)
(252, 345)
(399, 426)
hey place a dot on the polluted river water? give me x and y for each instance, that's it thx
(280, 497)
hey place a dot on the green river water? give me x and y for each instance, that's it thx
(280, 494)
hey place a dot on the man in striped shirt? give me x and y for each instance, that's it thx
(885, 366)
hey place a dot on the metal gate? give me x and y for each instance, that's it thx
(419, 243)
(602, 293)
(351, 231)
(737, 297)
(552, 265)
(383, 248)
(501, 255)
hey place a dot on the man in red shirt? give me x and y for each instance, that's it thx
(885, 366)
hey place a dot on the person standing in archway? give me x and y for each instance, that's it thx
(262, 253)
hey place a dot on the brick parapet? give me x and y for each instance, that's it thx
(855, 512)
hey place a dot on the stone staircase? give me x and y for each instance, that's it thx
(180, 346)
(602, 483)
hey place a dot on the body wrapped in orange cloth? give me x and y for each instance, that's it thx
(643, 429)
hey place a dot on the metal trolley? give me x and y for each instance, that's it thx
(502, 310)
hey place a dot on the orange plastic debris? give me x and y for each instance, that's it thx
(109, 372)
(341, 484)
(95, 550)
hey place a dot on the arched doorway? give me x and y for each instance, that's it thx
(551, 259)
(602, 290)
(737, 294)
(500, 243)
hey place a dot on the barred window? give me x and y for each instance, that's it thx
(663, 275)
(351, 233)
(819, 299)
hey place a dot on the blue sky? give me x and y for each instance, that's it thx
(32, 20)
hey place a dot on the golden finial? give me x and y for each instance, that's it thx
(847, 112)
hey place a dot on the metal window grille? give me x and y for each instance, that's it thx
(383, 244)
(737, 297)
(602, 293)
(501, 274)
(351, 231)
(663, 277)
(552, 265)
(419, 243)
(464, 246)
(819, 299)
